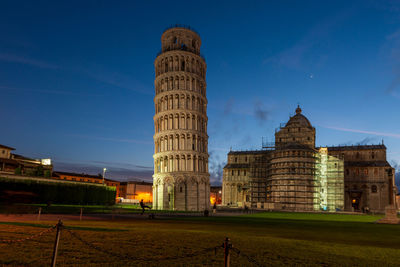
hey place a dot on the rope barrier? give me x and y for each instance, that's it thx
(226, 246)
(250, 259)
(128, 257)
(11, 241)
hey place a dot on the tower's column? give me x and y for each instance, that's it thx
(180, 123)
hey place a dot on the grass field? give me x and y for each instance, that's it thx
(277, 239)
(75, 209)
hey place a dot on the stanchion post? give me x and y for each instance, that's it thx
(59, 228)
(80, 216)
(39, 212)
(227, 246)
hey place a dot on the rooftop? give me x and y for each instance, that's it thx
(356, 147)
(57, 173)
(184, 26)
(6, 147)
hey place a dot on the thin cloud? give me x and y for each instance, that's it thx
(295, 56)
(52, 92)
(120, 140)
(121, 164)
(116, 79)
(394, 135)
(261, 113)
(113, 172)
(27, 61)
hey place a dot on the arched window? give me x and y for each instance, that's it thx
(374, 189)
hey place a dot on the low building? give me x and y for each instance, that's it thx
(134, 191)
(216, 195)
(11, 163)
(87, 178)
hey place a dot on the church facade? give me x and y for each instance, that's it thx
(294, 175)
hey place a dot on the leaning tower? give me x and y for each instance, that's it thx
(181, 180)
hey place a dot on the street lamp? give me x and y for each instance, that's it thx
(104, 173)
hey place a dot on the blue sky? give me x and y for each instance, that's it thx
(76, 77)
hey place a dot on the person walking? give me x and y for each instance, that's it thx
(143, 206)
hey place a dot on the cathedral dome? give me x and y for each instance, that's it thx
(298, 120)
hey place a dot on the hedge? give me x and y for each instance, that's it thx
(39, 191)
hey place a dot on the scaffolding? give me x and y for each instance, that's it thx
(329, 182)
(259, 172)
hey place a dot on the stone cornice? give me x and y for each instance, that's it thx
(178, 52)
(180, 131)
(180, 153)
(180, 73)
(179, 92)
(179, 111)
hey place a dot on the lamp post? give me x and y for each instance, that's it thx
(104, 173)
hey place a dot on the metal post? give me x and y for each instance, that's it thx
(39, 212)
(226, 252)
(80, 216)
(59, 228)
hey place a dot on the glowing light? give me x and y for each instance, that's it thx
(145, 196)
(213, 200)
(46, 161)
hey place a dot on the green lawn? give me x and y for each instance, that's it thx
(76, 209)
(277, 239)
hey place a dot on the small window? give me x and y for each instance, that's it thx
(180, 189)
(232, 172)
(373, 155)
(374, 189)
(235, 159)
(244, 173)
(245, 159)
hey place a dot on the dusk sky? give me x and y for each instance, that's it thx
(77, 77)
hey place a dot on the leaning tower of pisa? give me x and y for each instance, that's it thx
(181, 180)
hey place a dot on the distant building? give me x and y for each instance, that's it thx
(292, 174)
(134, 190)
(11, 163)
(86, 178)
(216, 195)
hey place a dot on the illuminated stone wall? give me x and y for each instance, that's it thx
(181, 179)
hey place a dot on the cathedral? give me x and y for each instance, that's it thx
(293, 174)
